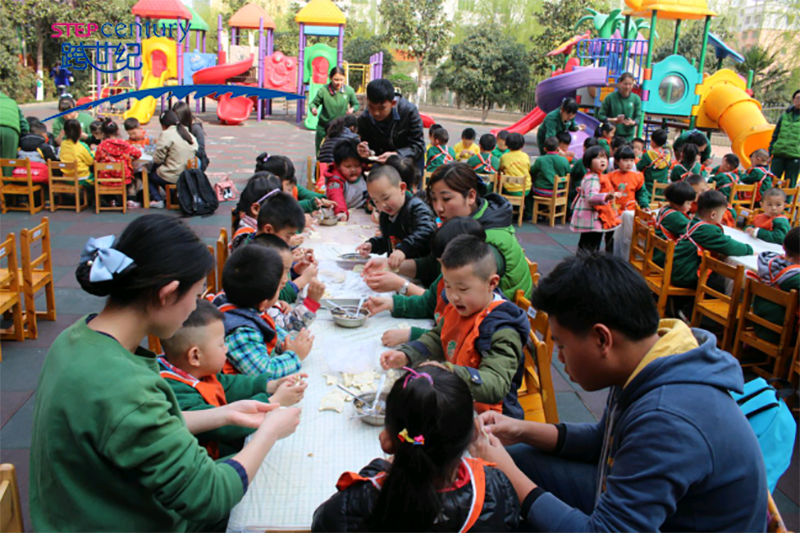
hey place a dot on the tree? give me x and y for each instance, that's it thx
(360, 49)
(607, 25)
(769, 76)
(690, 42)
(512, 17)
(419, 27)
(497, 75)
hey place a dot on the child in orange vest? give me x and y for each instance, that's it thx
(480, 334)
(192, 364)
(439, 154)
(772, 225)
(628, 181)
(429, 426)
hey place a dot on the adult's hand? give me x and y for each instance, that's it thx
(507, 429)
(314, 111)
(247, 413)
(384, 281)
(383, 157)
(363, 150)
(375, 265)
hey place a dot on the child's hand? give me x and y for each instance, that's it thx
(376, 305)
(309, 220)
(324, 202)
(394, 359)
(374, 265)
(751, 231)
(384, 281)
(283, 306)
(375, 216)
(300, 345)
(310, 272)
(363, 150)
(396, 259)
(581, 127)
(296, 240)
(272, 385)
(282, 422)
(289, 393)
(316, 289)
(364, 249)
(342, 217)
(246, 413)
(298, 254)
(395, 337)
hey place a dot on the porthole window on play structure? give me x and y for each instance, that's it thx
(672, 89)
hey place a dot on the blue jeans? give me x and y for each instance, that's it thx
(154, 181)
(572, 481)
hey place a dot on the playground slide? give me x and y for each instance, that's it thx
(229, 110)
(233, 111)
(526, 124)
(143, 109)
(576, 146)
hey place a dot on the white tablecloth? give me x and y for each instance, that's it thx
(301, 471)
(622, 235)
(759, 246)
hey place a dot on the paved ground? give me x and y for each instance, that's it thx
(232, 150)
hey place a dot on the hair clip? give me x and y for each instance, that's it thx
(104, 260)
(413, 375)
(403, 436)
(265, 197)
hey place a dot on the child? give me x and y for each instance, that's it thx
(245, 214)
(772, 225)
(485, 162)
(605, 134)
(593, 215)
(406, 222)
(408, 170)
(704, 233)
(114, 149)
(283, 168)
(655, 163)
(628, 181)
(429, 484)
(481, 334)
(515, 162)
(688, 164)
(439, 154)
(501, 148)
(251, 280)
(435, 126)
(73, 149)
(136, 134)
(698, 139)
(671, 220)
(564, 142)
(616, 144)
(175, 147)
(34, 146)
(466, 148)
(96, 136)
(638, 148)
(759, 173)
(726, 174)
(578, 171)
(345, 185)
(192, 366)
(546, 168)
(655, 458)
(338, 129)
(782, 272)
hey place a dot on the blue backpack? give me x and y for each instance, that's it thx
(772, 423)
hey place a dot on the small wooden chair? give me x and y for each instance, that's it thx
(110, 186)
(777, 355)
(639, 237)
(37, 274)
(312, 171)
(742, 196)
(20, 186)
(491, 181)
(10, 507)
(515, 201)
(145, 189)
(555, 206)
(62, 179)
(211, 277)
(658, 195)
(533, 268)
(171, 190)
(659, 279)
(222, 254)
(794, 373)
(10, 294)
(714, 305)
(425, 177)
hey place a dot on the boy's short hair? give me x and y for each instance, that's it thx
(503, 134)
(39, 128)
(516, 141)
(551, 144)
(66, 103)
(203, 315)
(271, 241)
(711, 200)
(344, 150)
(589, 289)
(775, 192)
(380, 91)
(617, 143)
(589, 142)
(435, 126)
(131, 124)
(385, 171)
(625, 152)
(638, 140)
(407, 168)
(732, 160)
(698, 139)
(680, 193)
(252, 275)
(451, 229)
(281, 211)
(791, 243)
(569, 105)
(441, 135)
(564, 138)
(470, 250)
(694, 179)
(659, 137)
(488, 142)
(468, 134)
(760, 153)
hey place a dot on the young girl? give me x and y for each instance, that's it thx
(592, 214)
(245, 214)
(428, 486)
(195, 127)
(345, 185)
(175, 147)
(688, 164)
(605, 135)
(110, 445)
(73, 149)
(114, 149)
(283, 168)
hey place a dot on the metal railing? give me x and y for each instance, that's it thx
(617, 55)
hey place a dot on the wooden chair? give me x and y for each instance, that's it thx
(425, 177)
(555, 206)
(777, 355)
(516, 201)
(20, 186)
(37, 274)
(222, 254)
(639, 237)
(715, 305)
(533, 268)
(62, 179)
(171, 190)
(10, 300)
(776, 524)
(312, 171)
(659, 279)
(658, 195)
(491, 181)
(145, 189)
(10, 507)
(211, 277)
(110, 186)
(742, 196)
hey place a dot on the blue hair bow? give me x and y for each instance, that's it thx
(106, 261)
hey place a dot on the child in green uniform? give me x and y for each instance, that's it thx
(485, 162)
(672, 220)
(704, 233)
(688, 164)
(564, 142)
(726, 174)
(558, 120)
(283, 168)
(772, 225)
(501, 147)
(759, 173)
(605, 134)
(439, 154)
(546, 168)
(655, 162)
(638, 145)
(435, 126)
(782, 272)
(698, 139)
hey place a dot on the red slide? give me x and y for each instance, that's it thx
(229, 110)
(526, 124)
(234, 110)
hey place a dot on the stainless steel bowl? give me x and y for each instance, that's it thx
(363, 410)
(328, 217)
(348, 318)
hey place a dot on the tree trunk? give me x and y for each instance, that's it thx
(39, 46)
(421, 89)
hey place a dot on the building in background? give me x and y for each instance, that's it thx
(766, 23)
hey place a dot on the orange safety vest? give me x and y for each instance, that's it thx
(243, 231)
(659, 223)
(760, 182)
(486, 164)
(728, 218)
(690, 229)
(459, 335)
(442, 152)
(228, 368)
(441, 304)
(764, 221)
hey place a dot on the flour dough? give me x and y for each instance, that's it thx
(358, 269)
(331, 380)
(332, 402)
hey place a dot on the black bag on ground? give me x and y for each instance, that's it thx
(195, 194)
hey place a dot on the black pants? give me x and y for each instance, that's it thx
(154, 181)
(590, 241)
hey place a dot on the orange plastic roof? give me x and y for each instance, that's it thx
(248, 18)
(161, 9)
(321, 13)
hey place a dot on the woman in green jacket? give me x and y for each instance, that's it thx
(622, 108)
(111, 448)
(331, 102)
(785, 144)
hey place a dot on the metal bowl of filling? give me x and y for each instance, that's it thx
(353, 257)
(347, 318)
(365, 412)
(328, 217)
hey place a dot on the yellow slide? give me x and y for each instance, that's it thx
(724, 104)
(144, 108)
(159, 64)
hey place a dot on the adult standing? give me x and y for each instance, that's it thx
(62, 77)
(557, 121)
(390, 125)
(785, 144)
(698, 139)
(65, 103)
(332, 101)
(195, 127)
(623, 108)
(12, 126)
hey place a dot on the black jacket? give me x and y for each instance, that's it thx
(405, 135)
(347, 510)
(32, 144)
(411, 230)
(326, 150)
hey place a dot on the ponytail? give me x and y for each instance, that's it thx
(280, 166)
(170, 118)
(109, 127)
(257, 186)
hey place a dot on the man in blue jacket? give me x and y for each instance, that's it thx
(673, 451)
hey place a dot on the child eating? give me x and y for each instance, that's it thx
(439, 154)
(345, 185)
(759, 173)
(136, 134)
(671, 220)
(772, 225)
(283, 168)
(245, 215)
(726, 174)
(466, 148)
(655, 163)
(485, 162)
(782, 272)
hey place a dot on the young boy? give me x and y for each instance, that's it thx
(726, 174)
(655, 163)
(672, 452)
(759, 173)
(672, 220)
(772, 225)
(34, 146)
(251, 280)
(406, 222)
(501, 148)
(439, 154)
(782, 272)
(564, 142)
(704, 233)
(638, 148)
(136, 134)
(481, 334)
(485, 162)
(628, 181)
(192, 366)
(515, 162)
(467, 147)
(345, 184)
(435, 126)
(546, 168)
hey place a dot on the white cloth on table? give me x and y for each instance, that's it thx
(623, 235)
(750, 262)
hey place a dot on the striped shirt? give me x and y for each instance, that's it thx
(248, 353)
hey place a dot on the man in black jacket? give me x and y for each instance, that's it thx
(390, 125)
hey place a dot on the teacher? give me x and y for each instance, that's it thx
(111, 448)
(785, 143)
(331, 102)
(622, 108)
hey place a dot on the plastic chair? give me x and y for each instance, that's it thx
(10, 298)
(20, 186)
(555, 206)
(66, 182)
(659, 279)
(10, 507)
(717, 306)
(515, 201)
(110, 185)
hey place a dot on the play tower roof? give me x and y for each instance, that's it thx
(248, 18)
(320, 13)
(161, 9)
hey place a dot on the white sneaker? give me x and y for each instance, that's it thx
(157, 204)
(132, 204)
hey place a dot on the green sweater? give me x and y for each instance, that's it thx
(84, 118)
(110, 449)
(780, 227)
(11, 115)
(307, 199)
(436, 157)
(785, 141)
(615, 105)
(479, 166)
(417, 307)
(332, 106)
(675, 223)
(755, 175)
(724, 180)
(710, 237)
(680, 172)
(651, 173)
(552, 126)
(684, 138)
(545, 169)
(497, 153)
